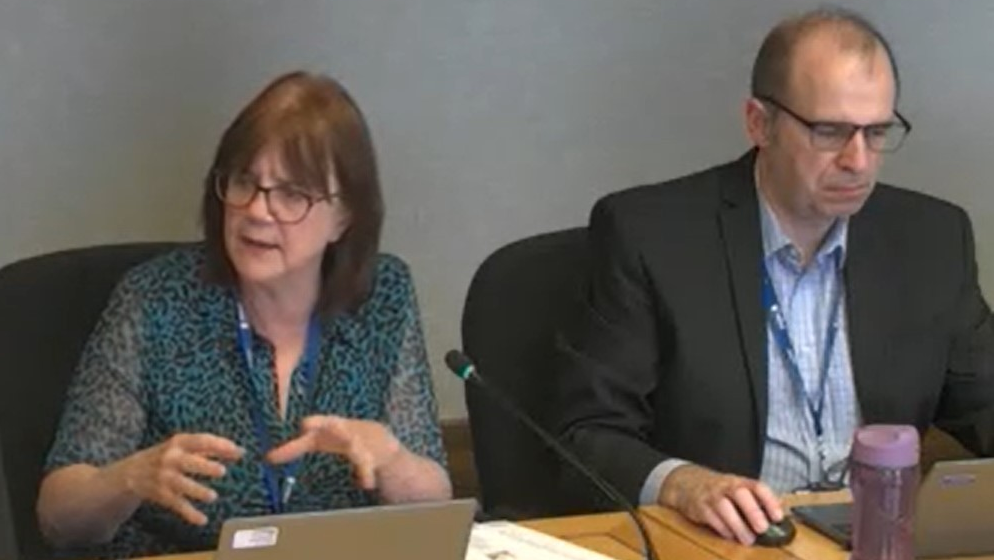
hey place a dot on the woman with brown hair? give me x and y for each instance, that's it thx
(277, 367)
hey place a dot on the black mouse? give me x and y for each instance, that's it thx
(778, 534)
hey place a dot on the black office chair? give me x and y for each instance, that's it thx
(8, 546)
(516, 302)
(48, 306)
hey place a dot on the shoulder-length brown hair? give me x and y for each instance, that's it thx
(317, 129)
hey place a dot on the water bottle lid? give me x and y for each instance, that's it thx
(884, 445)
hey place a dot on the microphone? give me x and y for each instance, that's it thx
(463, 367)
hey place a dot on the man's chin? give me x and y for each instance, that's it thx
(843, 211)
(844, 203)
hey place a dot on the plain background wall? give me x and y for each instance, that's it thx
(493, 119)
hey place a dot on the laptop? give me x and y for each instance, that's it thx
(438, 530)
(953, 512)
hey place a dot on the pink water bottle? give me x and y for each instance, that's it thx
(884, 479)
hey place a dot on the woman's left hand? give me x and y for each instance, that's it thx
(369, 446)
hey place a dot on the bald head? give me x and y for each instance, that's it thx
(826, 32)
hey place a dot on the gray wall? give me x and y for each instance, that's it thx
(494, 119)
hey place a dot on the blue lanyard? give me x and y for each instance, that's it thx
(774, 315)
(277, 501)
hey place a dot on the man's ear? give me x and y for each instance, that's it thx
(758, 122)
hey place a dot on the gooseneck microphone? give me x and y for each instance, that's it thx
(463, 367)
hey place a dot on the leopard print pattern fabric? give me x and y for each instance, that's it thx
(164, 359)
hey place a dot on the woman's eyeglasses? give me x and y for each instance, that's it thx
(288, 203)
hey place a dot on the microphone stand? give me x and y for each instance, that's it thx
(463, 367)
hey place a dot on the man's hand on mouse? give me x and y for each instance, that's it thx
(736, 508)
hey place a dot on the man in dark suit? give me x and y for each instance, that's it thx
(740, 323)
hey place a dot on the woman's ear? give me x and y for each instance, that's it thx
(341, 221)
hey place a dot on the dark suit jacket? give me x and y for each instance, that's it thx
(670, 360)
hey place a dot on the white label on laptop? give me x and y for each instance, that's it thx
(255, 538)
(961, 479)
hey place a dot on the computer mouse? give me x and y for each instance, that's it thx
(778, 534)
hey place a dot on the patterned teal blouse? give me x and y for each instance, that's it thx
(164, 359)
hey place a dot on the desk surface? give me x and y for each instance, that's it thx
(614, 535)
(674, 537)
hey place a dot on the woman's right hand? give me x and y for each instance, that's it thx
(162, 474)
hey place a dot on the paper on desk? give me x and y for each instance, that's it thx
(503, 540)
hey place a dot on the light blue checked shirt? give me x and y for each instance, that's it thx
(791, 458)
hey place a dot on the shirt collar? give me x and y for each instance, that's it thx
(776, 242)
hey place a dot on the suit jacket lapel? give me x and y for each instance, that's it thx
(871, 295)
(738, 219)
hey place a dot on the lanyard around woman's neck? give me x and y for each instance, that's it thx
(277, 500)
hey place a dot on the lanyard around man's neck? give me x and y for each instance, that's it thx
(781, 336)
